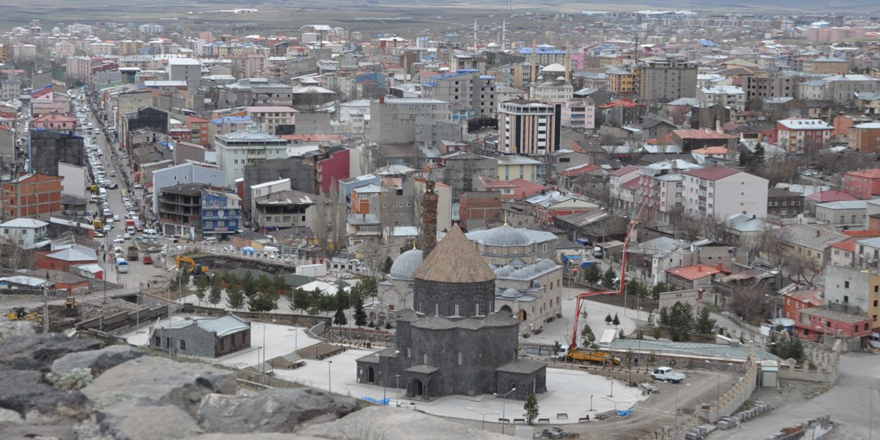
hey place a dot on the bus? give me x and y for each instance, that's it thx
(122, 266)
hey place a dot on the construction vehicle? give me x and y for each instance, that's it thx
(21, 314)
(574, 354)
(594, 357)
(194, 267)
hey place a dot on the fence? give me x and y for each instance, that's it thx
(279, 318)
(122, 319)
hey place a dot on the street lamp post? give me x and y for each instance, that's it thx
(482, 416)
(616, 415)
(397, 397)
(329, 378)
(504, 407)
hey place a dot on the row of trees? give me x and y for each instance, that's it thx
(680, 321)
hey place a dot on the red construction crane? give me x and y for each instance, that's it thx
(621, 291)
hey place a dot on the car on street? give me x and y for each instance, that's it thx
(116, 218)
(127, 236)
(118, 240)
(665, 374)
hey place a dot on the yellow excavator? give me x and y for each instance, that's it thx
(193, 266)
(21, 314)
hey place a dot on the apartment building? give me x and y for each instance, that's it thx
(36, 196)
(764, 87)
(579, 114)
(862, 184)
(803, 135)
(719, 192)
(246, 147)
(528, 127)
(661, 187)
(393, 120)
(188, 70)
(865, 137)
(270, 117)
(664, 80)
(468, 93)
(726, 96)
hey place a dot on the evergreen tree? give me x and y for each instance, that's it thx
(531, 407)
(386, 266)
(608, 278)
(215, 297)
(249, 285)
(339, 318)
(301, 299)
(234, 296)
(592, 274)
(201, 288)
(757, 160)
(705, 324)
(621, 334)
(587, 335)
(263, 302)
(608, 319)
(616, 320)
(744, 159)
(360, 316)
(658, 289)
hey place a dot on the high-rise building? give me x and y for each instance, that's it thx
(247, 147)
(188, 70)
(468, 93)
(529, 127)
(393, 120)
(664, 80)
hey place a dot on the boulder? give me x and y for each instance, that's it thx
(274, 410)
(16, 328)
(27, 394)
(38, 352)
(39, 432)
(160, 380)
(98, 361)
(383, 422)
(145, 420)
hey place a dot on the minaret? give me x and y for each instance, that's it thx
(503, 35)
(429, 219)
(475, 35)
(567, 60)
(534, 71)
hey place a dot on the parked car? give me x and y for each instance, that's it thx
(148, 259)
(665, 374)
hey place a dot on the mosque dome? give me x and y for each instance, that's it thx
(406, 264)
(506, 236)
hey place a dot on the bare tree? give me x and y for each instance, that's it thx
(320, 226)
(803, 270)
(388, 212)
(752, 303)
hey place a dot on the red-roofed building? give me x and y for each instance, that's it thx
(844, 253)
(718, 192)
(691, 277)
(864, 184)
(824, 197)
(616, 181)
(695, 139)
(797, 300)
(526, 188)
(586, 177)
(55, 122)
(198, 128)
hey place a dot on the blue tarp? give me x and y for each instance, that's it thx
(624, 412)
(586, 264)
(583, 241)
(568, 258)
(385, 402)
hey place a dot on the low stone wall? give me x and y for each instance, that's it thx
(123, 319)
(734, 397)
(279, 318)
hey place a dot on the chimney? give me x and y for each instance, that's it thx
(382, 99)
(429, 220)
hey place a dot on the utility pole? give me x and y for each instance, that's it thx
(45, 309)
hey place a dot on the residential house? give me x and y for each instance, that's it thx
(519, 167)
(866, 137)
(795, 300)
(64, 259)
(803, 135)
(863, 184)
(697, 276)
(845, 214)
(782, 203)
(854, 288)
(806, 242)
(616, 179)
(24, 232)
(832, 320)
(33, 196)
(814, 199)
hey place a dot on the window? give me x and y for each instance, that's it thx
(409, 352)
(846, 284)
(182, 345)
(157, 341)
(425, 357)
(460, 356)
(168, 343)
(845, 298)
(865, 327)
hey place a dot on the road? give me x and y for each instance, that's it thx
(854, 404)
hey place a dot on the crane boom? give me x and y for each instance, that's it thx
(582, 296)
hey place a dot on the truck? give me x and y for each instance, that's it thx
(132, 253)
(665, 374)
(594, 357)
(98, 224)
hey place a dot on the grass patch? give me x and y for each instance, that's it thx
(815, 391)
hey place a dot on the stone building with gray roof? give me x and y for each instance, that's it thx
(209, 338)
(452, 341)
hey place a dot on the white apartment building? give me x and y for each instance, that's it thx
(270, 117)
(727, 96)
(720, 192)
(579, 114)
(248, 146)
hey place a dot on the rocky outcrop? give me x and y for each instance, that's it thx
(97, 361)
(276, 410)
(53, 386)
(160, 381)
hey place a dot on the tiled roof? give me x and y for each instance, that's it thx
(712, 173)
(694, 272)
(455, 260)
(702, 134)
(578, 170)
(830, 196)
(522, 366)
(624, 171)
(873, 173)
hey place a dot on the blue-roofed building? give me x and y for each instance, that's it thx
(547, 55)
(210, 338)
(227, 124)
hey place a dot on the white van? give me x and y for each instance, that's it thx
(150, 234)
(211, 240)
(130, 230)
(103, 193)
